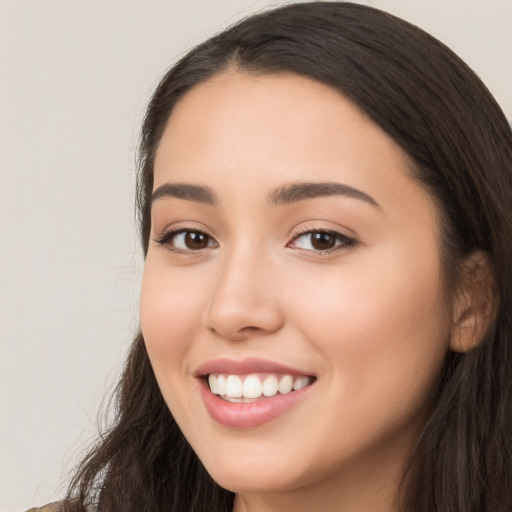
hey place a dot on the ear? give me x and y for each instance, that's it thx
(475, 303)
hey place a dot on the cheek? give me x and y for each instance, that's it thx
(170, 312)
(169, 316)
(384, 331)
(168, 299)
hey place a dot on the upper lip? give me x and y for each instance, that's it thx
(245, 366)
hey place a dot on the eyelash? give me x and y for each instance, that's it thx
(343, 242)
(169, 236)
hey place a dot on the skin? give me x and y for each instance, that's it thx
(371, 321)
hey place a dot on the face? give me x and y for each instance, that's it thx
(291, 255)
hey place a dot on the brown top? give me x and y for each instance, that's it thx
(51, 507)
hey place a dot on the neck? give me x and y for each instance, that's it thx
(346, 499)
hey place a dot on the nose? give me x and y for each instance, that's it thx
(244, 302)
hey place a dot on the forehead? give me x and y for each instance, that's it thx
(293, 107)
(268, 130)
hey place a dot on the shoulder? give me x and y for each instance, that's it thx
(52, 507)
(64, 506)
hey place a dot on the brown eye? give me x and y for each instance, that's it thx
(196, 240)
(322, 241)
(187, 240)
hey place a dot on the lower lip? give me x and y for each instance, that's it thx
(253, 414)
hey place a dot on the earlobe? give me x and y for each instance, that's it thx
(474, 304)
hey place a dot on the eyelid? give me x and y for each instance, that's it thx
(172, 232)
(347, 242)
(343, 242)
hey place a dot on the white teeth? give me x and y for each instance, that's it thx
(252, 387)
(300, 382)
(234, 386)
(239, 389)
(270, 385)
(285, 384)
(212, 382)
(221, 385)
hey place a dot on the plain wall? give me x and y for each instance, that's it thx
(74, 80)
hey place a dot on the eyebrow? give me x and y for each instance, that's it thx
(287, 194)
(187, 191)
(295, 192)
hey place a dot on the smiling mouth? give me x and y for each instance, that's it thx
(255, 387)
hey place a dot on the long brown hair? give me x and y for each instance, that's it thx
(444, 118)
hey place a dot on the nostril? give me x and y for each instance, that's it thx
(237, 334)
(250, 329)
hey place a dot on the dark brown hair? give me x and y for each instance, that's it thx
(444, 118)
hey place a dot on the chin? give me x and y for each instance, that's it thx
(249, 480)
(256, 469)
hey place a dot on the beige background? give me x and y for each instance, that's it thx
(75, 76)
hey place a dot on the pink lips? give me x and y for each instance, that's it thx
(245, 366)
(247, 415)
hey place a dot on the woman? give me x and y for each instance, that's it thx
(325, 311)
